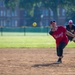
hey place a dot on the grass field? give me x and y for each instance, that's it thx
(29, 42)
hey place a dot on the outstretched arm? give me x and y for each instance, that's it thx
(70, 34)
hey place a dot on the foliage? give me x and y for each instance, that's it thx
(53, 5)
(68, 5)
(11, 3)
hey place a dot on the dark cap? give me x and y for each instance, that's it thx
(52, 22)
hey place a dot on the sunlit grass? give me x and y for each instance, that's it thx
(29, 42)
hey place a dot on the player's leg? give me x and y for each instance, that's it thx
(60, 51)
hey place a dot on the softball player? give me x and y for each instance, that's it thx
(59, 34)
(70, 27)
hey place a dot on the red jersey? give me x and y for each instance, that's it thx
(59, 35)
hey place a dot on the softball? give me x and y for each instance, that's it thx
(34, 24)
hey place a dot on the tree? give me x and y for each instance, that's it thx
(53, 5)
(29, 5)
(11, 3)
(68, 5)
(70, 10)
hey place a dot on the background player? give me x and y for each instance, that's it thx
(70, 27)
(59, 34)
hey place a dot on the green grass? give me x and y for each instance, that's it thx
(22, 34)
(29, 42)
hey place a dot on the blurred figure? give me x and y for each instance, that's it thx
(70, 27)
(59, 34)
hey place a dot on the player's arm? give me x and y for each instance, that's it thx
(70, 34)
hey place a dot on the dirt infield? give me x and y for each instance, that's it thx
(32, 61)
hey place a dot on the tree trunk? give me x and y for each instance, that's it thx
(55, 14)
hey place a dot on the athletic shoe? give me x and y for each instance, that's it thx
(59, 61)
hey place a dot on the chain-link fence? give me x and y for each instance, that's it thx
(23, 31)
